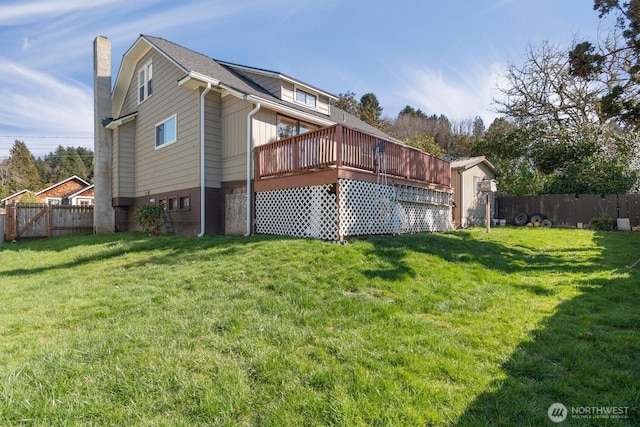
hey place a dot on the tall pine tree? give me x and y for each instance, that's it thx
(370, 110)
(20, 169)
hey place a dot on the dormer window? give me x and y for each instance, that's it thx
(306, 98)
(145, 76)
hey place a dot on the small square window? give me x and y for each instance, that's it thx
(184, 202)
(166, 132)
(172, 204)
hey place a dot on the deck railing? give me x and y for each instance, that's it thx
(340, 146)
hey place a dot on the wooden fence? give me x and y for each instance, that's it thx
(26, 220)
(567, 210)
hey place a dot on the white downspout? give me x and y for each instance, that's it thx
(249, 132)
(202, 162)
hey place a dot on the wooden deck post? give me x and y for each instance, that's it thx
(339, 138)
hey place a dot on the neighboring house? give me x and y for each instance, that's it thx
(83, 197)
(233, 149)
(469, 200)
(61, 193)
(71, 191)
(15, 197)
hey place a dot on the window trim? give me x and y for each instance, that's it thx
(174, 140)
(297, 90)
(147, 86)
(56, 201)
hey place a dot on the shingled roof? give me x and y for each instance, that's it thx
(192, 61)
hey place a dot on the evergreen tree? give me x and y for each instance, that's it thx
(21, 171)
(370, 110)
(66, 162)
(478, 128)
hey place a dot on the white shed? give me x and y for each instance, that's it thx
(469, 200)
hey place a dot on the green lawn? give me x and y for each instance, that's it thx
(460, 329)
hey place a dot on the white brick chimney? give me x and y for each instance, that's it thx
(103, 212)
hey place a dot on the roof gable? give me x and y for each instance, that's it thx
(200, 69)
(80, 192)
(11, 196)
(81, 182)
(471, 162)
(277, 75)
(187, 60)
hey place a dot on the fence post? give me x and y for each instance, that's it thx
(2, 225)
(14, 218)
(48, 219)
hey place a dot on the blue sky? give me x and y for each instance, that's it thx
(442, 56)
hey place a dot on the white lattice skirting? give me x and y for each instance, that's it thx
(365, 208)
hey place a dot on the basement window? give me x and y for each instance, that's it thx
(183, 203)
(166, 132)
(145, 87)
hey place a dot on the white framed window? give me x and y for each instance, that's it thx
(167, 131)
(57, 201)
(84, 201)
(306, 98)
(145, 86)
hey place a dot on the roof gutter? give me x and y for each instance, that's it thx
(290, 111)
(115, 123)
(249, 193)
(202, 170)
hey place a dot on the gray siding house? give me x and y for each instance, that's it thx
(466, 175)
(223, 146)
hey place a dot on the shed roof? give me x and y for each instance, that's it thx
(471, 162)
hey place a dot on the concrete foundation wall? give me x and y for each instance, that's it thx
(235, 208)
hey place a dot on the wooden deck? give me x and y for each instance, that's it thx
(328, 154)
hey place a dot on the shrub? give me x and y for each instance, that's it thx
(149, 217)
(29, 197)
(602, 224)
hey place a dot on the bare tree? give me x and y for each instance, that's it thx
(543, 89)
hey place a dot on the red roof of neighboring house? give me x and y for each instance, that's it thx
(63, 188)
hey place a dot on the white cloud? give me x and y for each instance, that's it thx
(37, 102)
(459, 94)
(27, 12)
